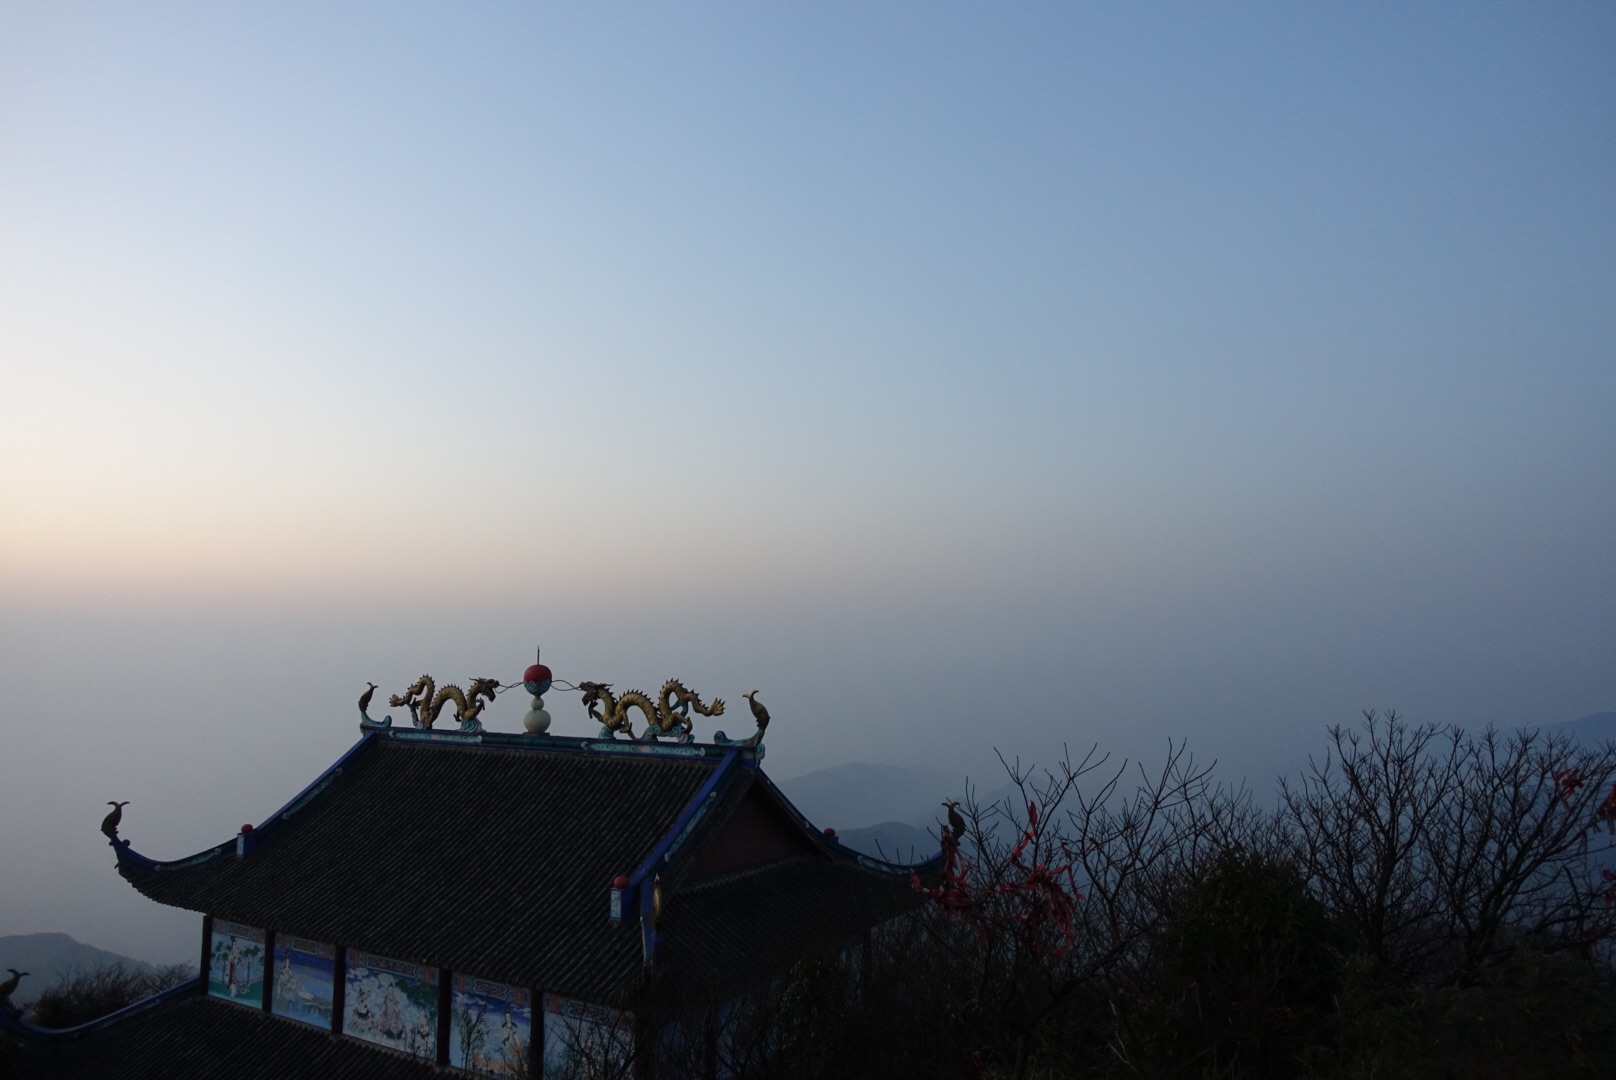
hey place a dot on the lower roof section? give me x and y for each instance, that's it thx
(739, 930)
(191, 1037)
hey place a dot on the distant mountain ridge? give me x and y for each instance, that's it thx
(894, 841)
(889, 811)
(1593, 728)
(860, 795)
(49, 957)
(892, 811)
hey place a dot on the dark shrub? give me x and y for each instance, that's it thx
(1246, 970)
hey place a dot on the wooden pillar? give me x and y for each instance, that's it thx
(207, 950)
(339, 986)
(709, 1044)
(269, 971)
(445, 1006)
(866, 955)
(535, 1042)
(645, 1048)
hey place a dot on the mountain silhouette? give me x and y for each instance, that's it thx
(49, 957)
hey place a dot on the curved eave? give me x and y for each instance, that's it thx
(838, 851)
(32, 1035)
(132, 864)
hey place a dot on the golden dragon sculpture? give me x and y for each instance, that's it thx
(425, 700)
(669, 714)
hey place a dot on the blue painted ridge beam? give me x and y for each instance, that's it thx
(321, 782)
(508, 740)
(676, 832)
(670, 842)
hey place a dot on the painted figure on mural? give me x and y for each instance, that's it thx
(423, 1041)
(285, 981)
(510, 1041)
(361, 1012)
(231, 959)
(390, 1023)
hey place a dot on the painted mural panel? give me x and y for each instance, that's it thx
(583, 1040)
(490, 1027)
(391, 1003)
(236, 963)
(302, 988)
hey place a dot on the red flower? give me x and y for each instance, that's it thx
(1567, 781)
(1606, 811)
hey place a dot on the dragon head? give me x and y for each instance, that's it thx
(594, 693)
(409, 696)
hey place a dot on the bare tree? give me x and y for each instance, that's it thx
(89, 993)
(1445, 849)
(1060, 887)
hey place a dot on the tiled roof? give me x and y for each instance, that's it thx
(729, 930)
(495, 857)
(198, 1038)
(486, 860)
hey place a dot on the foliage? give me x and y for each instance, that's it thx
(1532, 1014)
(1420, 903)
(1246, 970)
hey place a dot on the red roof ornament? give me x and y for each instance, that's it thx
(537, 678)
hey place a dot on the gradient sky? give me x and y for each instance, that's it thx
(959, 377)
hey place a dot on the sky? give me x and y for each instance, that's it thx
(961, 378)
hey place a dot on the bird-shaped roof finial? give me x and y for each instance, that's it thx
(109, 824)
(759, 713)
(956, 821)
(9, 985)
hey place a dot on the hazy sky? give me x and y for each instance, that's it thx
(959, 377)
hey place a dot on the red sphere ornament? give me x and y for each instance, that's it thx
(537, 673)
(620, 882)
(246, 828)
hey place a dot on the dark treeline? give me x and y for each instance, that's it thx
(1418, 903)
(88, 993)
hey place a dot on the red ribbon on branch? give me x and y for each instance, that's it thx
(1044, 902)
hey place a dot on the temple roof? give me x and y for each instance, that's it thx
(495, 855)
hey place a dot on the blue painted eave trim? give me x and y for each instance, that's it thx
(641, 896)
(685, 823)
(321, 782)
(130, 859)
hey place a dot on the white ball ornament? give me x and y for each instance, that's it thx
(537, 720)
